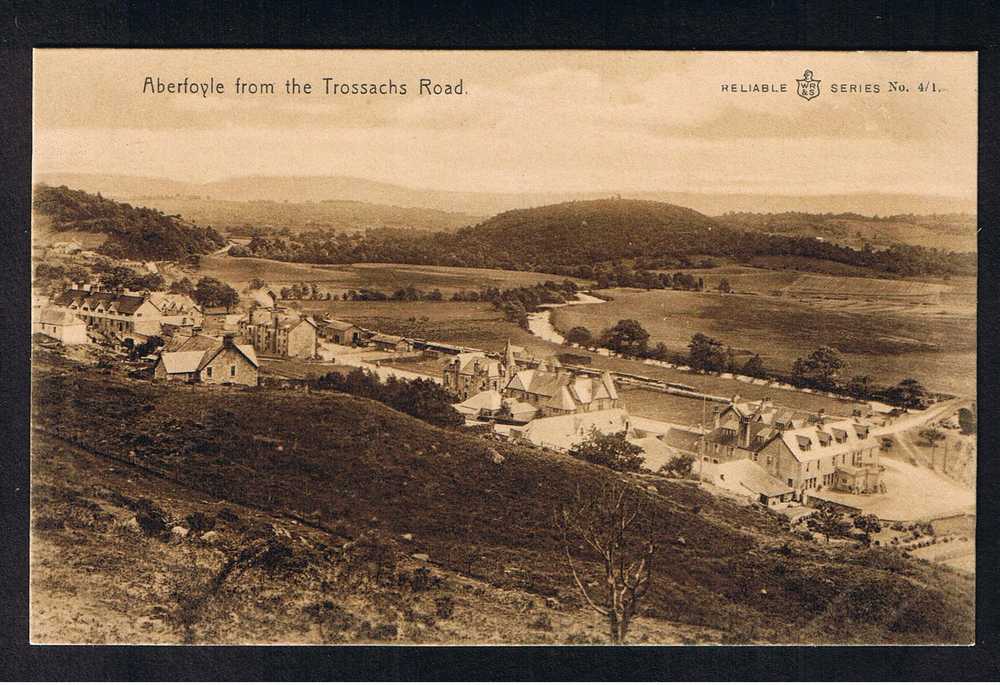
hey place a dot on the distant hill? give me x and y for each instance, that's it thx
(591, 231)
(327, 216)
(319, 188)
(577, 238)
(954, 231)
(132, 232)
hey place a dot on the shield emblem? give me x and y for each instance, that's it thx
(808, 86)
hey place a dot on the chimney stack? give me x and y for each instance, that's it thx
(229, 340)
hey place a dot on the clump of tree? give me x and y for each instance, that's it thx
(606, 526)
(706, 354)
(867, 524)
(678, 466)
(579, 335)
(818, 370)
(113, 277)
(184, 286)
(626, 337)
(420, 398)
(612, 450)
(908, 393)
(211, 292)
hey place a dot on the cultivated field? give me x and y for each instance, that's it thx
(890, 343)
(338, 278)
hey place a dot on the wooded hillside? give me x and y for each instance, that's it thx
(132, 232)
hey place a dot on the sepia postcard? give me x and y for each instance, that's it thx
(503, 347)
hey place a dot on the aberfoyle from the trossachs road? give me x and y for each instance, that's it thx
(307, 408)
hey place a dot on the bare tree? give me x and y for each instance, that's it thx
(605, 525)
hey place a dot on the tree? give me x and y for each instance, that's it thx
(967, 419)
(706, 353)
(606, 525)
(183, 286)
(659, 352)
(830, 523)
(612, 450)
(724, 286)
(77, 274)
(679, 466)
(868, 524)
(211, 292)
(579, 336)
(932, 436)
(754, 367)
(819, 368)
(117, 277)
(908, 393)
(257, 283)
(627, 337)
(859, 387)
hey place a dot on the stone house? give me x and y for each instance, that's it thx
(806, 454)
(280, 333)
(225, 363)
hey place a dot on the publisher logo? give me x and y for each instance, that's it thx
(808, 86)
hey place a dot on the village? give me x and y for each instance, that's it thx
(795, 463)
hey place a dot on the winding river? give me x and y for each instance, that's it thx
(540, 323)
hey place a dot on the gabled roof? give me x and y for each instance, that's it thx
(805, 443)
(123, 304)
(487, 399)
(385, 338)
(182, 362)
(339, 325)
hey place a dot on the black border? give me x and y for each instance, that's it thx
(775, 24)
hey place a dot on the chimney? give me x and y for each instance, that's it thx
(229, 340)
(736, 398)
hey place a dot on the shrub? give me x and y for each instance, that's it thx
(444, 606)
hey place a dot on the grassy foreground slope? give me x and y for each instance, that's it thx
(345, 466)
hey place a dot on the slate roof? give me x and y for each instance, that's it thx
(193, 360)
(339, 325)
(123, 304)
(810, 442)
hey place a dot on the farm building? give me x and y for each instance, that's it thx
(341, 332)
(60, 324)
(390, 343)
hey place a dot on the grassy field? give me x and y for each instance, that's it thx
(478, 325)
(348, 466)
(338, 278)
(890, 344)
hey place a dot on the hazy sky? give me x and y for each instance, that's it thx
(529, 121)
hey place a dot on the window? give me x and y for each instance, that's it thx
(208, 371)
(232, 369)
(790, 483)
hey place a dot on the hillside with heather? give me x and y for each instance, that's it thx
(131, 232)
(478, 514)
